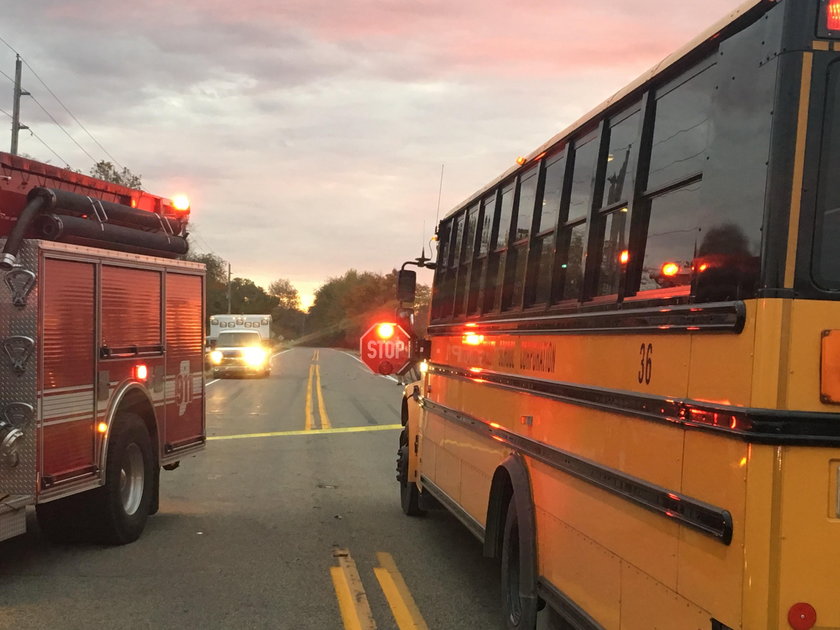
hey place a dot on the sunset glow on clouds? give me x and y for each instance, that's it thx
(310, 134)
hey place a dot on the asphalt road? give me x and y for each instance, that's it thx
(257, 531)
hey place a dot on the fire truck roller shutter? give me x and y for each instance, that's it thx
(115, 513)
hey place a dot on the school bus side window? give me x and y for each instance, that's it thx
(671, 206)
(571, 237)
(541, 259)
(465, 257)
(521, 234)
(485, 219)
(612, 220)
(493, 282)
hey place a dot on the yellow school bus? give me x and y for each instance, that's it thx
(632, 395)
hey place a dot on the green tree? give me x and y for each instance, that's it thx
(216, 281)
(124, 177)
(285, 292)
(287, 320)
(345, 307)
(249, 298)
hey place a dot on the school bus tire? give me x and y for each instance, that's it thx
(409, 493)
(520, 608)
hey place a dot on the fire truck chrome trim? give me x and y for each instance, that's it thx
(114, 408)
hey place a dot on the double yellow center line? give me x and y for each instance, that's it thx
(352, 599)
(315, 377)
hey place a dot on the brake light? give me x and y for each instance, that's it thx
(385, 331)
(832, 15)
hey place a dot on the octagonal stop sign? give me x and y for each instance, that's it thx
(385, 348)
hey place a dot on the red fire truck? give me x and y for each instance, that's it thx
(101, 359)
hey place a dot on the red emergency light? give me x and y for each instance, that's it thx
(829, 19)
(141, 372)
(385, 331)
(832, 15)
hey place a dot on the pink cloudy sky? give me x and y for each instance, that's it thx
(310, 133)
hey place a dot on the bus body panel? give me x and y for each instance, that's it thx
(711, 394)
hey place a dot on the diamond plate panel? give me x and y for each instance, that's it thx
(12, 523)
(20, 386)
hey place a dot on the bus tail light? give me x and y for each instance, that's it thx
(829, 18)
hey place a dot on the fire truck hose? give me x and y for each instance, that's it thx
(69, 203)
(33, 206)
(69, 229)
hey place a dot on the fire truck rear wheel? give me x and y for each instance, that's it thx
(123, 504)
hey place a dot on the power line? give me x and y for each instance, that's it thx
(60, 126)
(60, 159)
(72, 115)
(60, 102)
(8, 45)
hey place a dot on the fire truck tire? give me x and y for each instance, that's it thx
(123, 504)
(520, 611)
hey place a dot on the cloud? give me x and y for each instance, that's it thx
(310, 134)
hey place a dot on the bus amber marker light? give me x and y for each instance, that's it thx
(624, 257)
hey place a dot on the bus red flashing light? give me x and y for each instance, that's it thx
(141, 372)
(670, 269)
(472, 339)
(832, 15)
(385, 330)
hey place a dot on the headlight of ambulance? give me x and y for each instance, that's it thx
(254, 357)
(216, 357)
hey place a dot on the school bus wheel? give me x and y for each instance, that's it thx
(409, 494)
(520, 609)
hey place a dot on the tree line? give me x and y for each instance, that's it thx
(343, 309)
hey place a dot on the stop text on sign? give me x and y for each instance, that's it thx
(385, 349)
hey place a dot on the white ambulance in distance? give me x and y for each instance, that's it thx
(227, 322)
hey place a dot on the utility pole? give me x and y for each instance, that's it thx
(229, 288)
(16, 126)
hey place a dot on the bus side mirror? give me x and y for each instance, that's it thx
(406, 285)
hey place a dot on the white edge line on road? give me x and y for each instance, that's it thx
(215, 380)
(353, 356)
